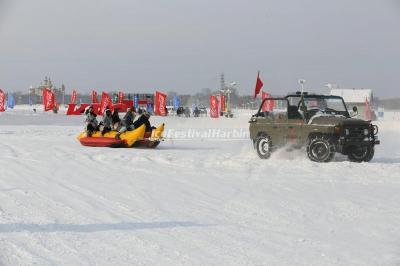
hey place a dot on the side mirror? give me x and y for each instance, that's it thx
(355, 111)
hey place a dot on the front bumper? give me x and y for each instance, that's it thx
(365, 142)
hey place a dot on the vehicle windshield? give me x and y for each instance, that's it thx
(325, 104)
(320, 104)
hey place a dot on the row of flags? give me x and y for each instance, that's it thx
(94, 99)
(217, 103)
(49, 100)
(159, 108)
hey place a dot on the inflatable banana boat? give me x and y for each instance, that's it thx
(136, 138)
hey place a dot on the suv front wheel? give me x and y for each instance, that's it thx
(361, 154)
(263, 145)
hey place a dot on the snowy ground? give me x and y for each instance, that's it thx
(201, 201)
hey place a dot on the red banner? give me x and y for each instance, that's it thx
(222, 103)
(2, 101)
(269, 104)
(160, 103)
(121, 96)
(73, 96)
(94, 97)
(105, 102)
(48, 99)
(368, 111)
(214, 107)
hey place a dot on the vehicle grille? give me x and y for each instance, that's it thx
(356, 133)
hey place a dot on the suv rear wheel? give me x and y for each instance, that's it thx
(263, 145)
(320, 149)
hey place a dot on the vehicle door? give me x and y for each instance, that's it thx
(272, 118)
(295, 126)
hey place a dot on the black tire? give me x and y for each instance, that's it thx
(263, 146)
(321, 149)
(361, 154)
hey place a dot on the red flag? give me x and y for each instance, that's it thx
(268, 104)
(48, 99)
(222, 103)
(368, 112)
(121, 96)
(214, 107)
(73, 96)
(94, 97)
(2, 100)
(160, 103)
(105, 102)
(259, 85)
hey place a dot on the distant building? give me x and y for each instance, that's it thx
(38, 90)
(35, 93)
(356, 97)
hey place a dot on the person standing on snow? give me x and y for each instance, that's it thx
(91, 121)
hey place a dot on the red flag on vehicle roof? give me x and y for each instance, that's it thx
(259, 85)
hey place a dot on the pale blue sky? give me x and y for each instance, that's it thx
(184, 45)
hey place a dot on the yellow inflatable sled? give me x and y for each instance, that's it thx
(136, 138)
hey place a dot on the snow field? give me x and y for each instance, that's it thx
(199, 201)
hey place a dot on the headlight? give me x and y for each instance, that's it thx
(366, 131)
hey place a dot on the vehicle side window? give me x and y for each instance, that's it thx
(274, 109)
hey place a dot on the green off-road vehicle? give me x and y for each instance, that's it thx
(321, 123)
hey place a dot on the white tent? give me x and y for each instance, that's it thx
(353, 95)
